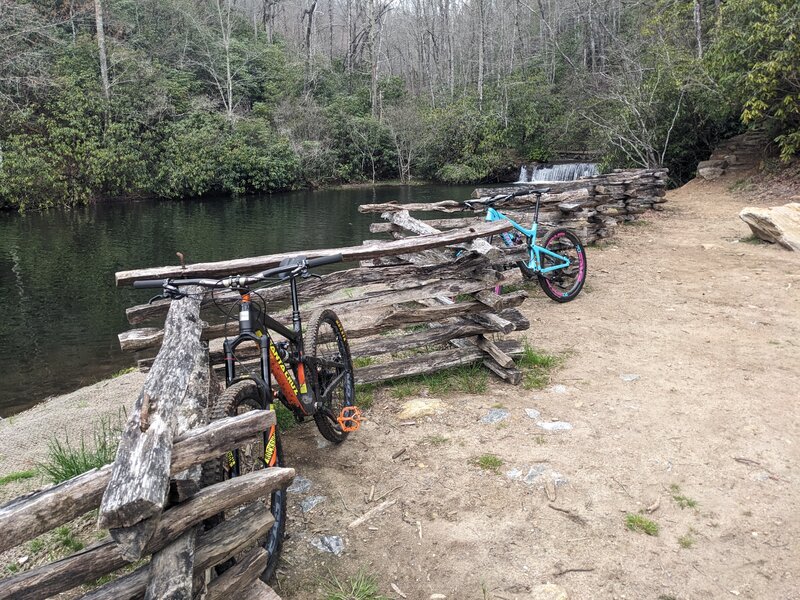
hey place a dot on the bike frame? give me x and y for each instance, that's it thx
(254, 326)
(535, 252)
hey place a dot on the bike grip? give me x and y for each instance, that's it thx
(149, 283)
(324, 260)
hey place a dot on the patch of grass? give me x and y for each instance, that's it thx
(12, 568)
(365, 395)
(752, 239)
(363, 361)
(540, 440)
(498, 405)
(680, 499)
(415, 328)
(686, 541)
(470, 379)
(66, 538)
(436, 440)
(530, 285)
(35, 546)
(122, 372)
(284, 417)
(359, 587)
(18, 476)
(65, 461)
(488, 462)
(641, 524)
(537, 367)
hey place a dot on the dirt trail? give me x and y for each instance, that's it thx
(707, 329)
(711, 331)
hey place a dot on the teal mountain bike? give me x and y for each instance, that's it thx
(559, 263)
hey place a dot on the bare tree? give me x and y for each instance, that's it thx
(101, 48)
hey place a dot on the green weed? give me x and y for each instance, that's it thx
(35, 546)
(537, 367)
(365, 395)
(18, 476)
(752, 239)
(65, 461)
(488, 462)
(470, 379)
(436, 440)
(66, 538)
(363, 361)
(284, 417)
(686, 541)
(359, 587)
(680, 499)
(641, 524)
(122, 372)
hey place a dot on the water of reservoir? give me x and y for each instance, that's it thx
(61, 311)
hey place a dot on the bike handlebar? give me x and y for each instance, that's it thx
(239, 280)
(490, 200)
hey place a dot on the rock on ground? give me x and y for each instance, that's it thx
(778, 224)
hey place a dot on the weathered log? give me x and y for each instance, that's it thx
(140, 475)
(240, 576)
(105, 557)
(310, 289)
(171, 570)
(433, 362)
(435, 335)
(510, 374)
(172, 567)
(259, 590)
(409, 316)
(213, 547)
(443, 206)
(352, 253)
(26, 517)
(488, 346)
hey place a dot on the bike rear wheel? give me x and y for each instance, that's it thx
(331, 370)
(241, 397)
(563, 285)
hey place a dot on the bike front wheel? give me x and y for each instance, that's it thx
(564, 284)
(331, 371)
(241, 397)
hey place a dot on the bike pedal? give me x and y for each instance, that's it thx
(350, 418)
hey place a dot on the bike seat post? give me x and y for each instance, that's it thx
(536, 212)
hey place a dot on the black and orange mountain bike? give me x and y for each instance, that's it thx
(313, 372)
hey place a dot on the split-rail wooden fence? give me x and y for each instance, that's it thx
(438, 308)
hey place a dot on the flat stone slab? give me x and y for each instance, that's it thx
(554, 425)
(538, 473)
(414, 409)
(310, 502)
(300, 485)
(532, 413)
(329, 543)
(777, 225)
(495, 415)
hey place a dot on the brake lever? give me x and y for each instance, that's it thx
(159, 297)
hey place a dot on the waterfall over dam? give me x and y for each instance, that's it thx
(563, 172)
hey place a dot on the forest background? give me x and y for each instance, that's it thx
(183, 98)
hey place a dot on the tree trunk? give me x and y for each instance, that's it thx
(101, 48)
(698, 27)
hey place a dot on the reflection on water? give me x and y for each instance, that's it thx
(61, 312)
